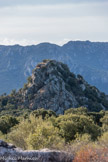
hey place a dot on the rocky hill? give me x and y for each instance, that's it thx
(53, 86)
(90, 59)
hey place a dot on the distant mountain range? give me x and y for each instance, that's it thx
(90, 59)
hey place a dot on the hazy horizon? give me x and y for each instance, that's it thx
(30, 22)
(59, 44)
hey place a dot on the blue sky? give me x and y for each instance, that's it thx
(56, 21)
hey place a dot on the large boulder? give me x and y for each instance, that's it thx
(10, 153)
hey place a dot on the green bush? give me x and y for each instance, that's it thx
(45, 136)
(20, 133)
(44, 113)
(42, 128)
(29, 79)
(83, 138)
(80, 110)
(104, 138)
(7, 122)
(35, 133)
(72, 124)
(96, 116)
(104, 121)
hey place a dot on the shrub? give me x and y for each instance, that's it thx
(91, 154)
(7, 122)
(71, 124)
(104, 139)
(2, 136)
(44, 113)
(13, 92)
(68, 130)
(104, 121)
(29, 79)
(80, 110)
(97, 117)
(20, 133)
(35, 133)
(83, 138)
(72, 82)
(45, 136)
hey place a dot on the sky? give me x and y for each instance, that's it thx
(27, 22)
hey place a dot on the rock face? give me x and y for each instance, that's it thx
(48, 87)
(53, 86)
(9, 153)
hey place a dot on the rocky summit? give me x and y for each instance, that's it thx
(53, 86)
(48, 87)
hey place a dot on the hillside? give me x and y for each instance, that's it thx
(90, 59)
(53, 86)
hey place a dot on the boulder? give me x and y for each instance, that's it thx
(10, 153)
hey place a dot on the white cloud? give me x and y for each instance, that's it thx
(22, 42)
(54, 23)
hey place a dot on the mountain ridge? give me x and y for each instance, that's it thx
(83, 57)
